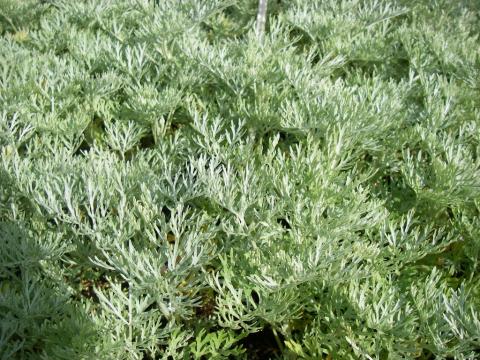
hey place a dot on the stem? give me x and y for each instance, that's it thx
(261, 17)
(277, 339)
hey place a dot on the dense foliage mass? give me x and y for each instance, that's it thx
(172, 186)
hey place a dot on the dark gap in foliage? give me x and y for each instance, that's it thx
(51, 222)
(147, 141)
(397, 66)
(398, 196)
(449, 213)
(129, 155)
(383, 354)
(98, 68)
(360, 233)
(368, 157)
(125, 285)
(402, 67)
(209, 30)
(167, 213)
(171, 237)
(285, 142)
(302, 40)
(453, 258)
(324, 213)
(207, 307)
(23, 148)
(146, 355)
(93, 132)
(61, 48)
(316, 58)
(262, 345)
(152, 306)
(85, 215)
(13, 271)
(179, 118)
(88, 285)
(353, 66)
(204, 204)
(284, 223)
(255, 297)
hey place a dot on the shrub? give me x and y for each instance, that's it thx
(173, 188)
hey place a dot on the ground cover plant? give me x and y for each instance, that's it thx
(177, 185)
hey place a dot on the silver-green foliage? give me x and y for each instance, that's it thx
(170, 185)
